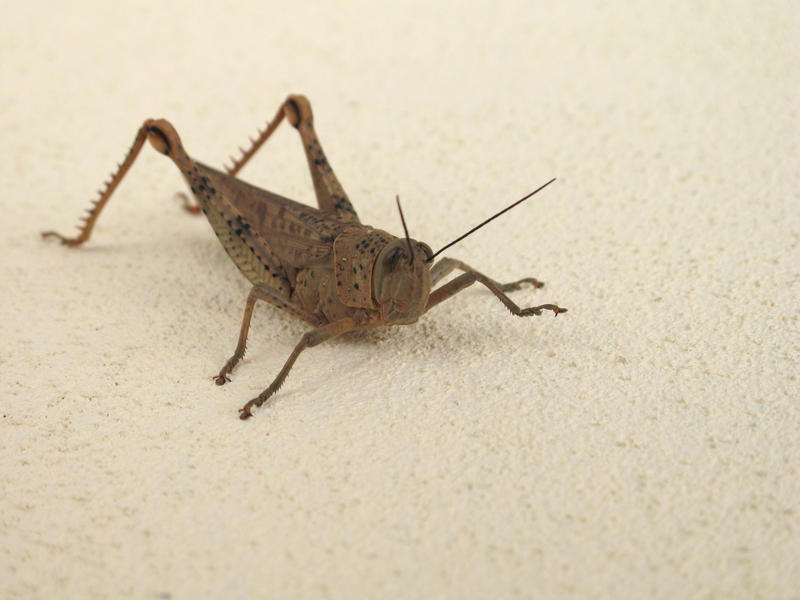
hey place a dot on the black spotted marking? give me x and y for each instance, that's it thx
(246, 248)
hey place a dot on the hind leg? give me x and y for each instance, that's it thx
(163, 137)
(330, 194)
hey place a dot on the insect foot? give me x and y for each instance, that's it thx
(187, 204)
(246, 411)
(63, 239)
(517, 285)
(222, 376)
(537, 310)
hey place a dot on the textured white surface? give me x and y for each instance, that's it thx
(643, 445)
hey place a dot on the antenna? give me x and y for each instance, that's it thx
(474, 229)
(408, 239)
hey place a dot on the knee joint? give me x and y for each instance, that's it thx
(162, 136)
(298, 110)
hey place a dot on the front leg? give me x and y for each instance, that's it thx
(445, 266)
(255, 294)
(470, 276)
(309, 339)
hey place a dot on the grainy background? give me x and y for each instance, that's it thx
(643, 445)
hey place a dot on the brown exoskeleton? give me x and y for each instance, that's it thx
(321, 265)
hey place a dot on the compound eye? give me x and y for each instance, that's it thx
(393, 259)
(426, 249)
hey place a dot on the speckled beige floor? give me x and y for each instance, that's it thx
(643, 445)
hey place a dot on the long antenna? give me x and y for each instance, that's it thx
(408, 239)
(492, 218)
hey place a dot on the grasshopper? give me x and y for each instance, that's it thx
(321, 265)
